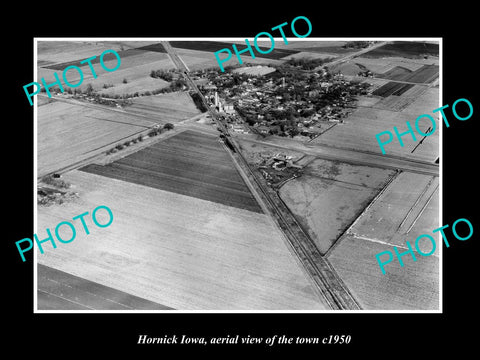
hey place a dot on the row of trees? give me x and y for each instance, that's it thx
(152, 133)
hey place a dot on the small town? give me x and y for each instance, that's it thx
(283, 101)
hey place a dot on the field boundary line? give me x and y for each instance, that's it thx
(323, 132)
(423, 208)
(356, 236)
(101, 152)
(425, 189)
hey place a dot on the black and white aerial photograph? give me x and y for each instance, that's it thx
(282, 180)
(259, 187)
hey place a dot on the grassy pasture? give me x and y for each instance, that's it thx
(392, 88)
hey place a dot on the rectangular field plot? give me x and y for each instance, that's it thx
(68, 133)
(56, 52)
(408, 96)
(175, 250)
(96, 61)
(424, 75)
(328, 197)
(190, 163)
(392, 88)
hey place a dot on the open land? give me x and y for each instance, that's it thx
(188, 233)
(177, 251)
(359, 130)
(412, 287)
(407, 208)
(135, 68)
(407, 49)
(69, 132)
(169, 107)
(330, 195)
(190, 164)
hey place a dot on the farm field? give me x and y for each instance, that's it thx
(407, 49)
(329, 196)
(392, 88)
(389, 218)
(213, 46)
(385, 65)
(412, 287)
(348, 68)
(424, 75)
(408, 208)
(169, 107)
(131, 87)
(360, 127)
(68, 133)
(403, 99)
(190, 163)
(198, 60)
(52, 52)
(135, 69)
(107, 58)
(58, 290)
(255, 70)
(333, 48)
(177, 251)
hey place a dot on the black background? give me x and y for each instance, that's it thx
(383, 335)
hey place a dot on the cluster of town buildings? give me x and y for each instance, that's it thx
(287, 102)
